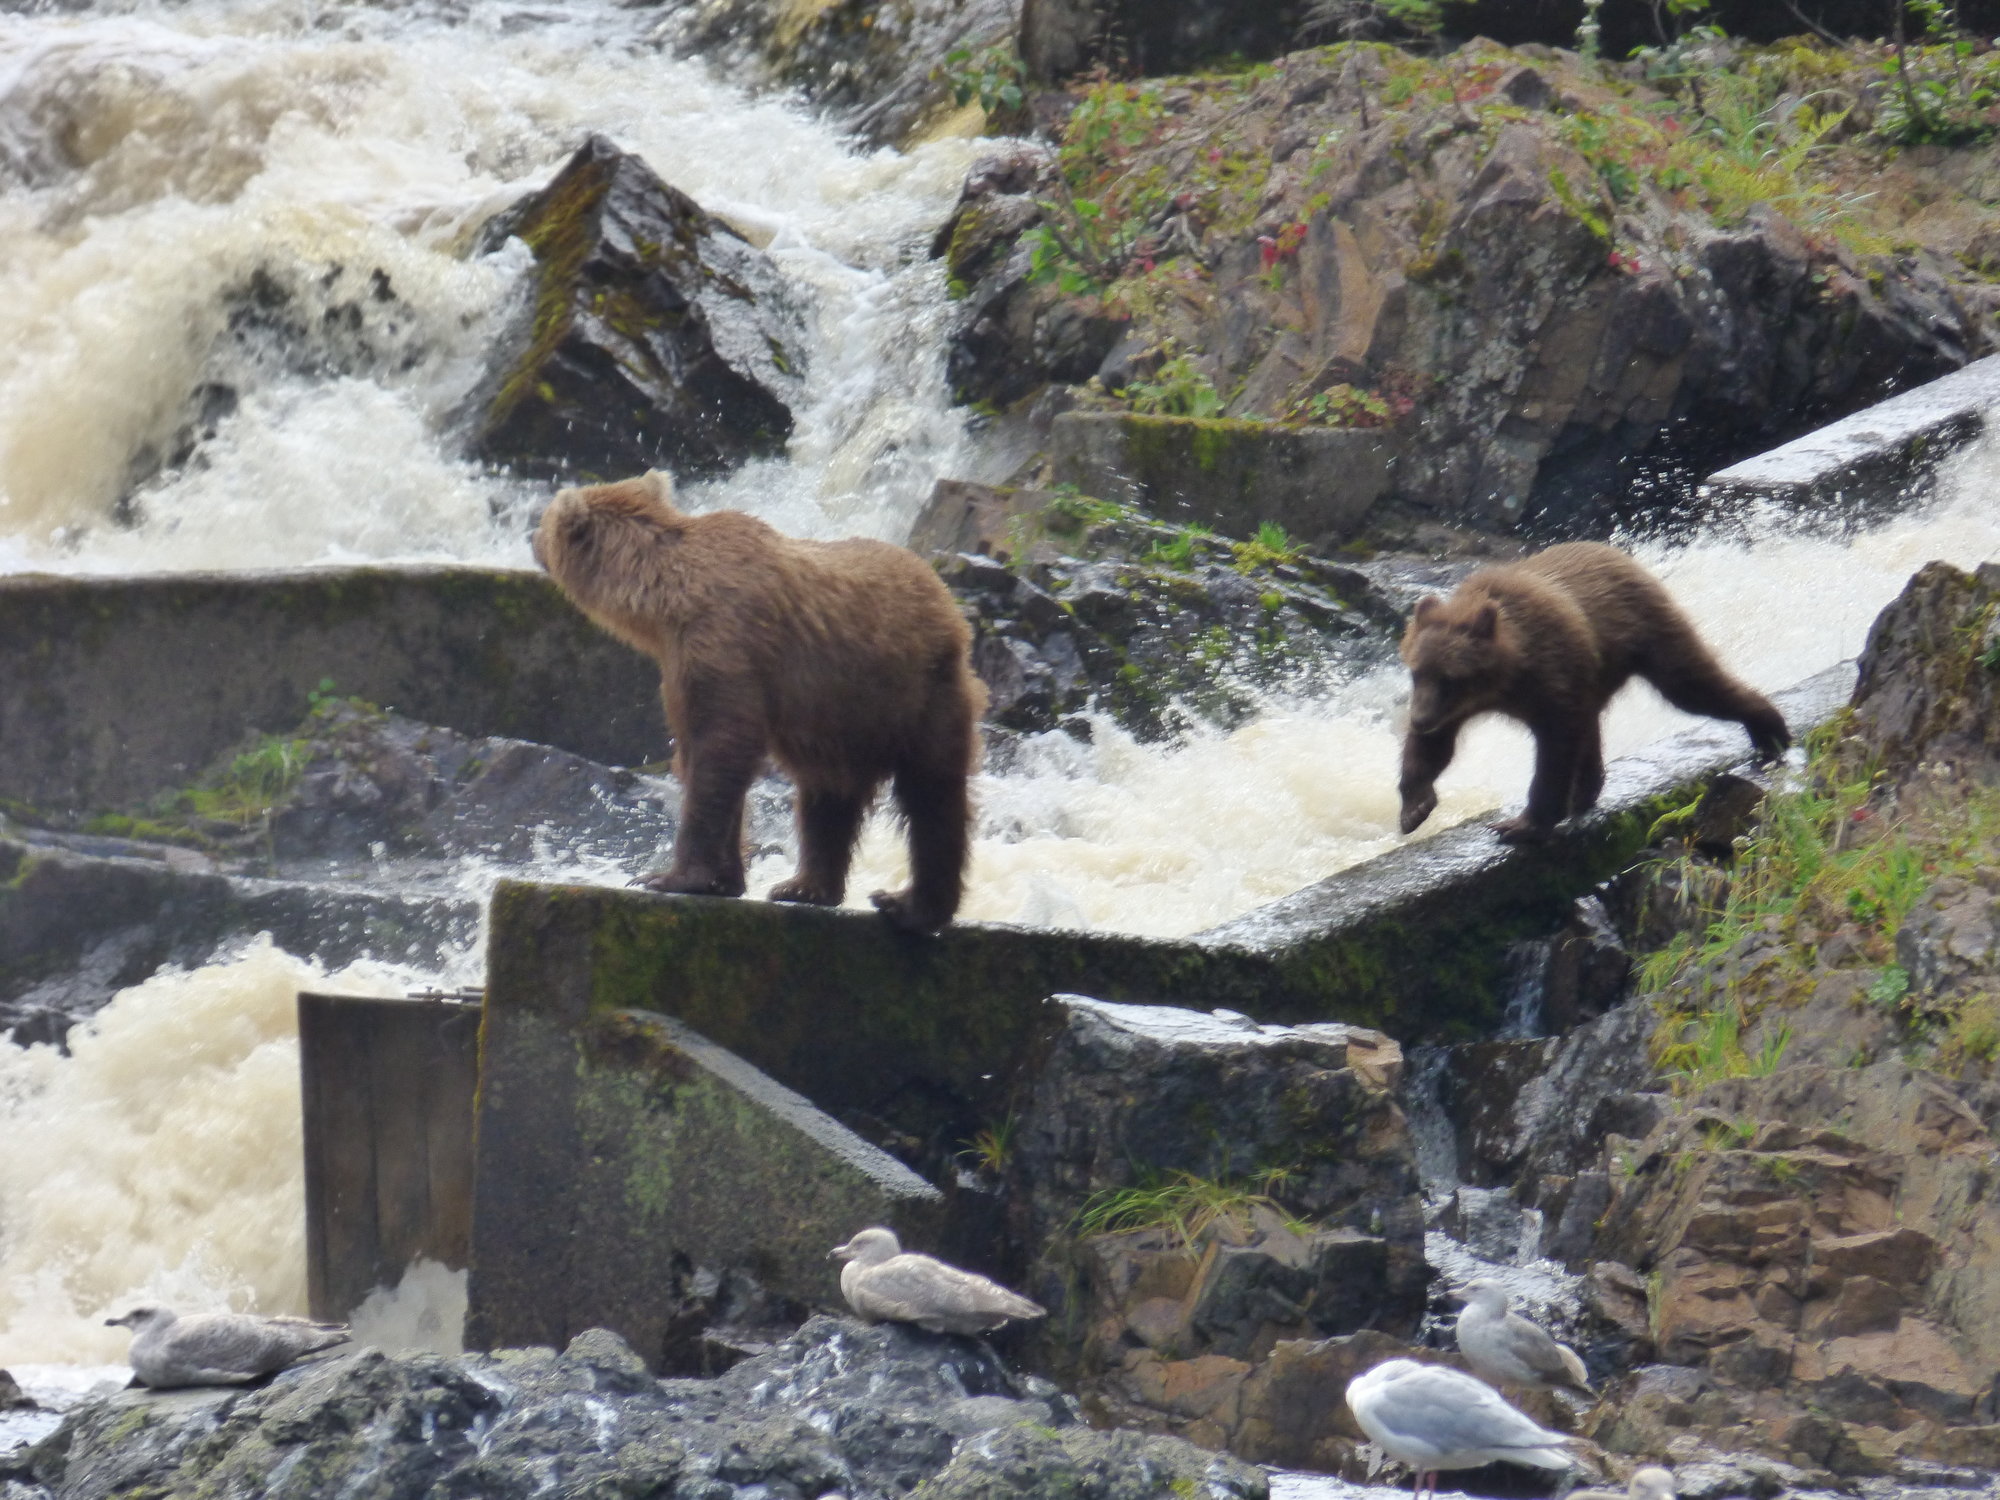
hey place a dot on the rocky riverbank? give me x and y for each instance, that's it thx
(840, 1407)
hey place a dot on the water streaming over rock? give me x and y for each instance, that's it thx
(163, 166)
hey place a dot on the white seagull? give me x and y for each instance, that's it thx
(222, 1348)
(1433, 1417)
(1505, 1348)
(884, 1283)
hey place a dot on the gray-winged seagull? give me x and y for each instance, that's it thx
(884, 1283)
(222, 1348)
(1433, 1417)
(1505, 1348)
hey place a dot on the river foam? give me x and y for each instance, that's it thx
(161, 1159)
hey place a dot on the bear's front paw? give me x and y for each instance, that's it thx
(689, 883)
(803, 891)
(905, 915)
(1416, 809)
(1521, 831)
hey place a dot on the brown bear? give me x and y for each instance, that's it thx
(1547, 641)
(848, 663)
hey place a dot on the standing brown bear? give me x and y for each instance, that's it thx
(1547, 641)
(845, 662)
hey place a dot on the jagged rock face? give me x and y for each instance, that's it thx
(1813, 1242)
(656, 336)
(1172, 1329)
(869, 1412)
(1061, 38)
(1442, 252)
(1930, 675)
(1154, 624)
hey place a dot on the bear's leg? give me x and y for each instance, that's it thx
(1556, 754)
(1589, 780)
(938, 807)
(1691, 679)
(716, 769)
(1425, 757)
(829, 822)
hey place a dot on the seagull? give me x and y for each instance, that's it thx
(1505, 1348)
(1649, 1483)
(1433, 1417)
(222, 1348)
(884, 1283)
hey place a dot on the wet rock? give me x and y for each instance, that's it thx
(656, 336)
(886, 69)
(1929, 690)
(1319, 483)
(1100, 606)
(981, 519)
(12, 1398)
(1316, 1231)
(840, 1407)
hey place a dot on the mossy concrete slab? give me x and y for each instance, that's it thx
(1413, 925)
(1316, 482)
(619, 1154)
(112, 689)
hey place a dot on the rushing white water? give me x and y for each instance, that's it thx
(155, 159)
(160, 1159)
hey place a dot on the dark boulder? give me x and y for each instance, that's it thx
(657, 336)
(870, 1412)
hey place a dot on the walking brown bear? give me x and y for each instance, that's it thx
(845, 662)
(1547, 641)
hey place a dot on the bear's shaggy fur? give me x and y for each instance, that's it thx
(1547, 641)
(845, 662)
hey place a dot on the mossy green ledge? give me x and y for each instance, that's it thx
(1319, 483)
(115, 688)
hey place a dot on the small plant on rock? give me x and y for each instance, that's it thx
(1182, 1203)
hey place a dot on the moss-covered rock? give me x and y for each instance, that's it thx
(1560, 290)
(657, 337)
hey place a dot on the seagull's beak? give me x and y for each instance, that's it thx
(114, 1322)
(839, 1252)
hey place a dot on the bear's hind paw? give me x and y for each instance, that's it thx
(1521, 831)
(902, 915)
(682, 883)
(805, 893)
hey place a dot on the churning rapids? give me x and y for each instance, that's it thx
(153, 159)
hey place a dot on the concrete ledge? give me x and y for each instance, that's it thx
(619, 1154)
(1316, 482)
(87, 922)
(1870, 458)
(116, 688)
(1423, 908)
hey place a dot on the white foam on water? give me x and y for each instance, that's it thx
(153, 162)
(424, 1310)
(161, 1160)
(1167, 840)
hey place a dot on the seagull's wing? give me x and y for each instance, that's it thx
(1452, 1413)
(908, 1288)
(1552, 1363)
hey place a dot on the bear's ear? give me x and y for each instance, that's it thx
(1427, 608)
(1480, 626)
(661, 483)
